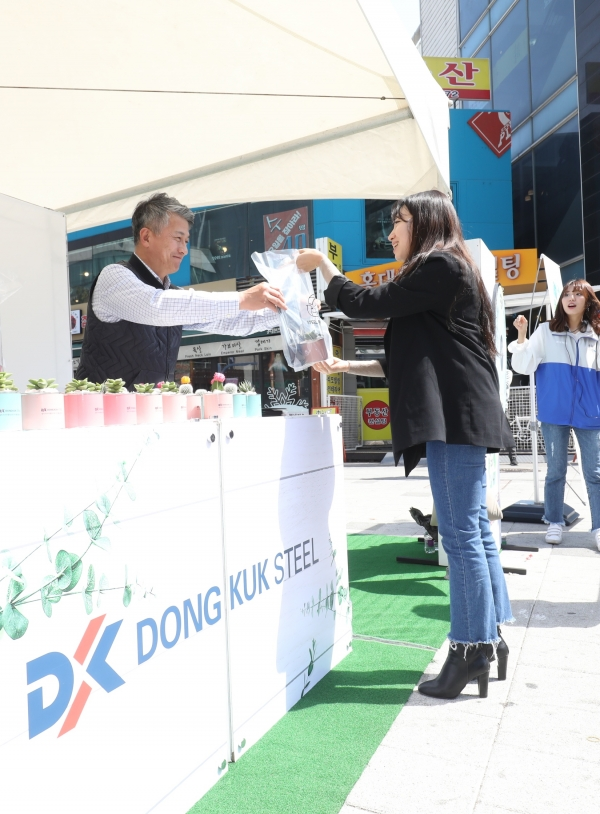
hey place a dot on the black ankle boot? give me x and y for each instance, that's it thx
(458, 670)
(502, 655)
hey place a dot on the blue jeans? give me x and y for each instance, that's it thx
(556, 439)
(478, 596)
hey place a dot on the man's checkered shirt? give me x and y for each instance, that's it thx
(119, 294)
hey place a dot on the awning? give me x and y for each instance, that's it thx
(214, 101)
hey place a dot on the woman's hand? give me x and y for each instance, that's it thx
(332, 366)
(309, 259)
(520, 324)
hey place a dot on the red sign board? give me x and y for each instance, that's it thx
(376, 414)
(286, 230)
(494, 128)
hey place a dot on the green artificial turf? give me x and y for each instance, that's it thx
(393, 600)
(310, 760)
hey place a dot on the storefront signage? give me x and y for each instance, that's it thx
(374, 276)
(516, 267)
(330, 249)
(375, 414)
(286, 230)
(231, 347)
(76, 321)
(461, 78)
(334, 380)
(494, 129)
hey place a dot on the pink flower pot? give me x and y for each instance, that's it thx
(194, 406)
(149, 408)
(174, 408)
(84, 410)
(43, 411)
(218, 404)
(119, 408)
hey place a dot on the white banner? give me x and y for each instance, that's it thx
(114, 677)
(287, 587)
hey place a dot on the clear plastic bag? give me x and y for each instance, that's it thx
(306, 339)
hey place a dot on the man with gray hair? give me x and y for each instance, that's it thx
(136, 317)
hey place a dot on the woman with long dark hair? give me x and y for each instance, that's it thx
(439, 361)
(564, 352)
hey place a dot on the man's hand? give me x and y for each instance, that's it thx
(309, 259)
(520, 324)
(332, 366)
(260, 296)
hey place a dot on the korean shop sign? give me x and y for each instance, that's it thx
(374, 276)
(331, 249)
(286, 230)
(461, 78)
(494, 128)
(516, 267)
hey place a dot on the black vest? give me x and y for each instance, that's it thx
(128, 350)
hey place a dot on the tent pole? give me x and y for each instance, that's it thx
(533, 426)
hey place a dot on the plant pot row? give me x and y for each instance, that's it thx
(37, 411)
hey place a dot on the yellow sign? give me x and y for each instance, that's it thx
(334, 380)
(461, 78)
(517, 268)
(375, 413)
(374, 276)
(331, 249)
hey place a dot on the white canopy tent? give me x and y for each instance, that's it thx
(213, 101)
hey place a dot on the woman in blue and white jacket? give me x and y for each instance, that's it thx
(565, 352)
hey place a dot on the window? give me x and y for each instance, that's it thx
(510, 77)
(484, 53)
(552, 47)
(558, 194)
(521, 139)
(86, 263)
(523, 206)
(378, 225)
(470, 11)
(499, 8)
(477, 37)
(555, 111)
(218, 244)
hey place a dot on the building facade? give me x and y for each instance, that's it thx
(544, 59)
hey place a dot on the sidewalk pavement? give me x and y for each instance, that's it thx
(534, 744)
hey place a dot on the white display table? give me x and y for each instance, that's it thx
(168, 594)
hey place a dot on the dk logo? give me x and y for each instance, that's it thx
(58, 665)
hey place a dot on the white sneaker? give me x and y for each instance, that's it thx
(596, 533)
(554, 534)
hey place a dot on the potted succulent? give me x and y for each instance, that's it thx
(218, 403)
(253, 400)
(119, 403)
(10, 404)
(84, 404)
(43, 406)
(239, 400)
(148, 404)
(174, 404)
(193, 400)
(311, 349)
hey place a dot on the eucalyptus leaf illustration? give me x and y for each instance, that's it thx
(127, 593)
(223, 766)
(130, 491)
(47, 544)
(68, 515)
(92, 524)
(13, 622)
(103, 543)
(64, 570)
(103, 503)
(243, 743)
(88, 590)
(51, 594)
(76, 569)
(102, 588)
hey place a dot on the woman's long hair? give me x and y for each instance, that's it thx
(591, 315)
(436, 228)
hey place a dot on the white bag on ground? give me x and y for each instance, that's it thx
(305, 336)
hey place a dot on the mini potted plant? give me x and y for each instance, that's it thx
(10, 404)
(119, 403)
(43, 406)
(174, 404)
(84, 404)
(253, 400)
(218, 403)
(148, 404)
(239, 400)
(193, 400)
(311, 349)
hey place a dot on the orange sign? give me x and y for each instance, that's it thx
(374, 276)
(516, 267)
